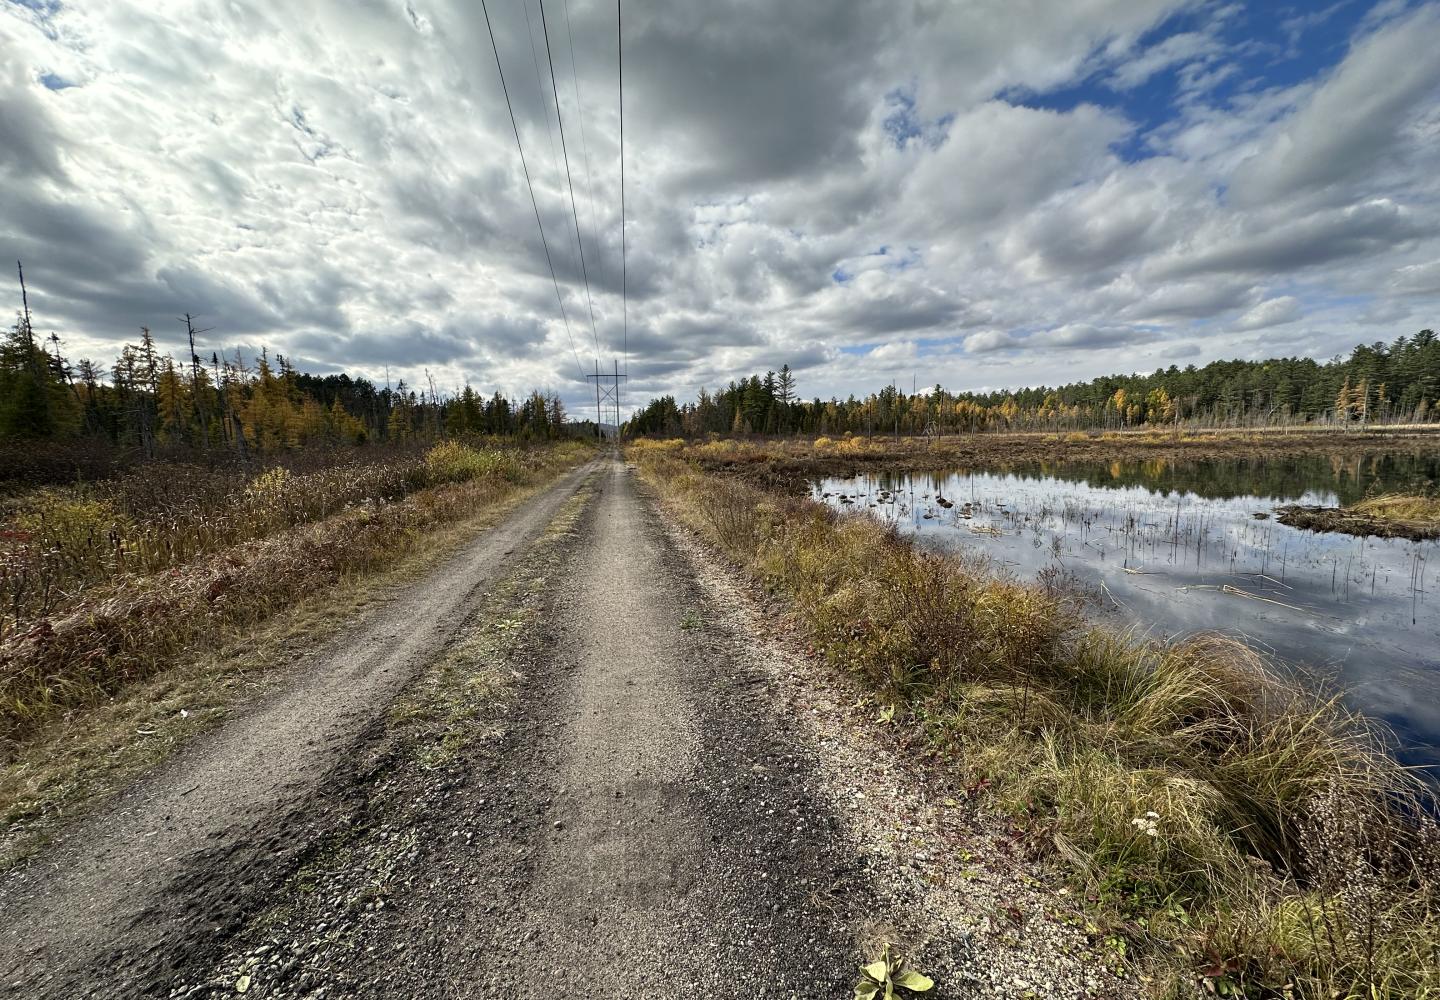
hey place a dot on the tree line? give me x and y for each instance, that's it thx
(1376, 383)
(150, 401)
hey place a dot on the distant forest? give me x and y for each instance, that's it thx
(149, 401)
(1377, 383)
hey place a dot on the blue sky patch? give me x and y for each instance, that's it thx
(1210, 57)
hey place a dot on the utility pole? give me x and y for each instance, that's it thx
(604, 395)
(599, 418)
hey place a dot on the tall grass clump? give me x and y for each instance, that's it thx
(105, 584)
(456, 462)
(1400, 507)
(1244, 830)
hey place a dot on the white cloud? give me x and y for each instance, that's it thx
(1354, 120)
(1271, 312)
(987, 341)
(1417, 279)
(1083, 336)
(340, 181)
(1177, 50)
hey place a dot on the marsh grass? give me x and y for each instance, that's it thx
(1415, 516)
(128, 586)
(792, 461)
(1243, 830)
(1401, 507)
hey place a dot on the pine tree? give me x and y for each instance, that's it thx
(785, 393)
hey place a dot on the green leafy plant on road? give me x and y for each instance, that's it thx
(887, 977)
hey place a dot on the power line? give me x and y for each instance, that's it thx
(624, 275)
(575, 214)
(540, 89)
(533, 203)
(544, 104)
(580, 114)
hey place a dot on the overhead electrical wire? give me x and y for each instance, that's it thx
(528, 184)
(540, 89)
(580, 114)
(574, 212)
(545, 109)
(624, 274)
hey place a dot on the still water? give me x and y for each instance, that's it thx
(1179, 547)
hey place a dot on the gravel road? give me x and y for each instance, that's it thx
(115, 900)
(649, 802)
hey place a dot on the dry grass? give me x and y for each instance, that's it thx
(1390, 515)
(75, 758)
(113, 625)
(789, 461)
(58, 544)
(1290, 855)
(1400, 507)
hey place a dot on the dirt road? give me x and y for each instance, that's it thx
(641, 805)
(110, 900)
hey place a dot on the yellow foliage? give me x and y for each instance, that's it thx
(453, 462)
(655, 446)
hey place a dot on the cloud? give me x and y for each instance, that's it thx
(29, 141)
(1087, 336)
(1271, 312)
(1247, 246)
(1356, 119)
(1003, 195)
(1176, 50)
(988, 166)
(1417, 279)
(987, 341)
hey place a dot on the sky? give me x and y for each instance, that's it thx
(981, 194)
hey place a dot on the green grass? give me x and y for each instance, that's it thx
(1287, 856)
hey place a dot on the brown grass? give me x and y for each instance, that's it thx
(115, 628)
(74, 758)
(788, 461)
(1291, 854)
(1390, 515)
(1398, 507)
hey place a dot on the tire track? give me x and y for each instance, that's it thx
(119, 901)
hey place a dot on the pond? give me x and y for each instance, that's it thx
(1177, 547)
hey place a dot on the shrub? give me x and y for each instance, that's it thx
(454, 462)
(650, 446)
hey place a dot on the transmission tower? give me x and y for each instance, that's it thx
(606, 396)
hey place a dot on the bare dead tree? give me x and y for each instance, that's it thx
(202, 412)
